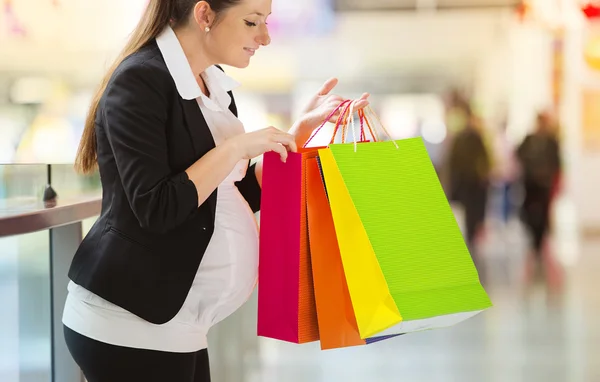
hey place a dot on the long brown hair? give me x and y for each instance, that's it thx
(157, 16)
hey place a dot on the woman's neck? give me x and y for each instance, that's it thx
(194, 49)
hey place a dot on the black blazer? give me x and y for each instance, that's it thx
(143, 252)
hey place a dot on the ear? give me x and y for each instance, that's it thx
(203, 14)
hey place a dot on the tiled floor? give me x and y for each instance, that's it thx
(544, 329)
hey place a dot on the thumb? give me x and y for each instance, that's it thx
(328, 86)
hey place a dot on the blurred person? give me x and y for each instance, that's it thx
(458, 111)
(175, 249)
(540, 160)
(457, 114)
(469, 167)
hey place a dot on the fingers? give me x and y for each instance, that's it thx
(280, 149)
(332, 101)
(281, 143)
(335, 101)
(291, 145)
(288, 141)
(327, 86)
(335, 116)
(362, 102)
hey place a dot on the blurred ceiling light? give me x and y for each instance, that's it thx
(434, 131)
(401, 123)
(412, 115)
(30, 90)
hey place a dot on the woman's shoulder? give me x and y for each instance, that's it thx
(141, 76)
(146, 62)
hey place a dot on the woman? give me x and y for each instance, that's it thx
(175, 249)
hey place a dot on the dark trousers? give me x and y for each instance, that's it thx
(472, 195)
(101, 362)
(536, 213)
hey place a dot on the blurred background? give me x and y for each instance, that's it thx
(504, 93)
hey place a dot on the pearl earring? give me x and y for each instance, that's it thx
(207, 29)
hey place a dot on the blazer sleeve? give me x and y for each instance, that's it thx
(250, 189)
(135, 118)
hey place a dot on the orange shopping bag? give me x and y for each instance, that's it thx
(337, 324)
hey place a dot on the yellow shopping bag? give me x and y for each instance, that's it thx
(374, 307)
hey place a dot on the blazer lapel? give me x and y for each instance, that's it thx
(202, 139)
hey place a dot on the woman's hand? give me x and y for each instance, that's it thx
(251, 145)
(320, 106)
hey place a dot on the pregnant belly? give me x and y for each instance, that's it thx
(230, 265)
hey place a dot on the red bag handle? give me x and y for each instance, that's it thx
(342, 122)
(363, 119)
(316, 131)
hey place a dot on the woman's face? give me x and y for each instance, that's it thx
(240, 31)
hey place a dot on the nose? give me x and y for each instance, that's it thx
(263, 38)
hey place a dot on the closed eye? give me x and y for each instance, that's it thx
(250, 23)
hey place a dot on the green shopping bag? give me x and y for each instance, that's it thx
(412, 231)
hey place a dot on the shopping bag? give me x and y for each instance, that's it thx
(286, 302)
(335, 315)
(395, 226)
(286, 309)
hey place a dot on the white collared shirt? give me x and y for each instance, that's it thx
(215, 79)
(185, 80)
(229, 269)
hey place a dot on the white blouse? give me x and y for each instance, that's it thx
(229, 269)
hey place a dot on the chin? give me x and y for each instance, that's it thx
(239, 63)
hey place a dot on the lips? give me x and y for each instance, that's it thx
(250, 51)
